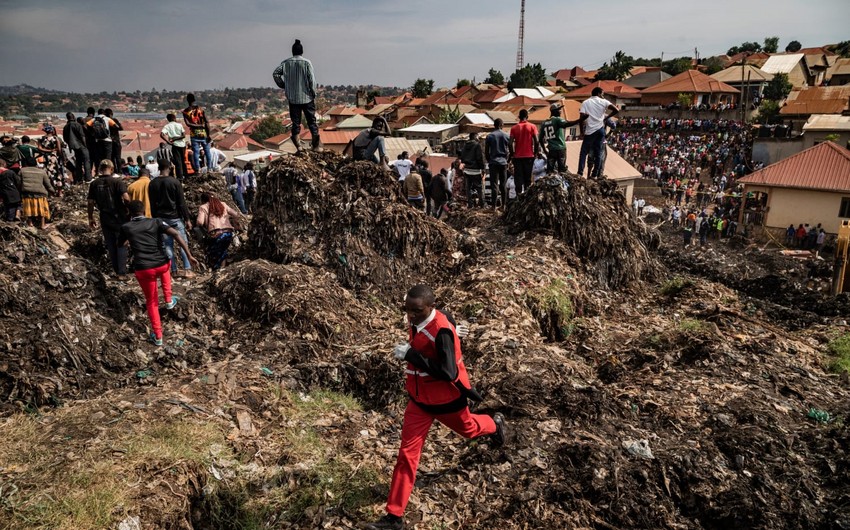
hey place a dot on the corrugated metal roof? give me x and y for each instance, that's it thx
(827, 122)
(610, 87)
(646, 79)
(840, 67)
(394, 146)
(508, 118)
(824, 167)
(733, 74)
(428, 127)
(691, 82)
(355, 122)
(478, 118)
(817, 100)
(533, 93)
(781, 64)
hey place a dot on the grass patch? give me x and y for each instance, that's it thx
(674, 286)
(553, 307)
(56, 482)
(839, 349)
(472, 309)
(691, 325)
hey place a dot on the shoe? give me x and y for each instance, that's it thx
(387, 522)
(316, 145)
(156, 341)
(501, 434)
(188, 274)
(173, 302)
(299, 145)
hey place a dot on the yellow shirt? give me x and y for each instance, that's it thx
(138, 191)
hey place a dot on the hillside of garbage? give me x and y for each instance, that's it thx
(644, 386)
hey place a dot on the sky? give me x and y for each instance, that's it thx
(109, 45)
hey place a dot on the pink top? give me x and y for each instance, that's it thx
(215, 222)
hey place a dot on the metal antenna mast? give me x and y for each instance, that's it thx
(520, 59)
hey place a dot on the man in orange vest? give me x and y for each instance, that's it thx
(438, 387)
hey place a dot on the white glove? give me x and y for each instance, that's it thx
(401, 350)
(462, 330)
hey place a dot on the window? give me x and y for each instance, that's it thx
(844, 210)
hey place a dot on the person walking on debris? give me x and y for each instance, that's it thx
(472, 157)
(50, 146)
(552, 141)
(414, 190)
(75, 137)
(216, 159)
(295, 76)
(99, 126)
(163, 154)
(10, 186)
(29, 153)
(199, 132)
(402, 165)
(441, 192)
(427, 177)
(235, 185)
(438, 389)
(593, 114)
(115, 129)
(496, 151)
(138, 190)
(110, 197)
(175, 136)
(524, 148)
(150, 261)
(369, 144)
(219, 220)
(169, 205)
(249, 181)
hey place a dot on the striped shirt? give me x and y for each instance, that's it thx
(295, 76)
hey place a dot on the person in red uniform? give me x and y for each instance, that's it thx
(438, 387)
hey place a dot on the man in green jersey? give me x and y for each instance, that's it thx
(552, 139)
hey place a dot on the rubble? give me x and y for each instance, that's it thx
(276, 402)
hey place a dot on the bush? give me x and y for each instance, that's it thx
(839, 348)
(674, 286)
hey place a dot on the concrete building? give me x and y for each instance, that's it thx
(616, 169)
(791, 64)
(811, 187)
(747, 78)
(702, 89)
(435, 133)
(819, 126)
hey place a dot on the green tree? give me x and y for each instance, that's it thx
(778, 88)
(834, 137)
(529, 76)
(463, 83)
(842, 48)
(713, 65)
(423, 88)
(677, 66)
(495, 77)
(268, 127)
(771, 44)
(751, 47)
(449, 115)
(371, 95)
(618, 69)
(793, 46)
(768, 111)
(684, 100)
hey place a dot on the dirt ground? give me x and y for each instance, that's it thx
(645, 386)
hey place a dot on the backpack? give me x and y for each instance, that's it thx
(100, 130)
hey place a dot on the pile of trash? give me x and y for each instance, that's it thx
(594, 221)
(351, 218)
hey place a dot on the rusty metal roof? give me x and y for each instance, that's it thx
(691, 82)
(824, 167)
(817, 100)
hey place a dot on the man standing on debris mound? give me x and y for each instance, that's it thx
(295, 76)
(592, 116)
(438, 388)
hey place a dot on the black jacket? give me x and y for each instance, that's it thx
(166, 198)
(472, 155)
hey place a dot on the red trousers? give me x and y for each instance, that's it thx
(147, 280)
(417, 422)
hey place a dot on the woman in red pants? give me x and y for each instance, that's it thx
(438, 388)
(150, 261)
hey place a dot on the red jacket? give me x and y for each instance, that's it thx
(423, 388)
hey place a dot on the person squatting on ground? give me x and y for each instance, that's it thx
(218, 219)
(150, 261)
(295, 76)
(369, 144)
(592, 117)
(109, 195)
(496, 151)
(438, 388)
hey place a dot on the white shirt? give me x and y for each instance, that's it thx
(153, 167)
(595, 108)
(403, 167)
(216, 158)
(172, 131)
(511, 187)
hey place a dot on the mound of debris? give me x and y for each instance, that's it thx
(351, 218)
(594, 221)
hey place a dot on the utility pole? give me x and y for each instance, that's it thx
(520, 58)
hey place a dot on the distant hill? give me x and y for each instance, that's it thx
(18, 90)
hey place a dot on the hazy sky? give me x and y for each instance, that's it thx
(94, 45)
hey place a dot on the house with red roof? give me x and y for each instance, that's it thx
(702, 90)
(811, 187)
(614, 91)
